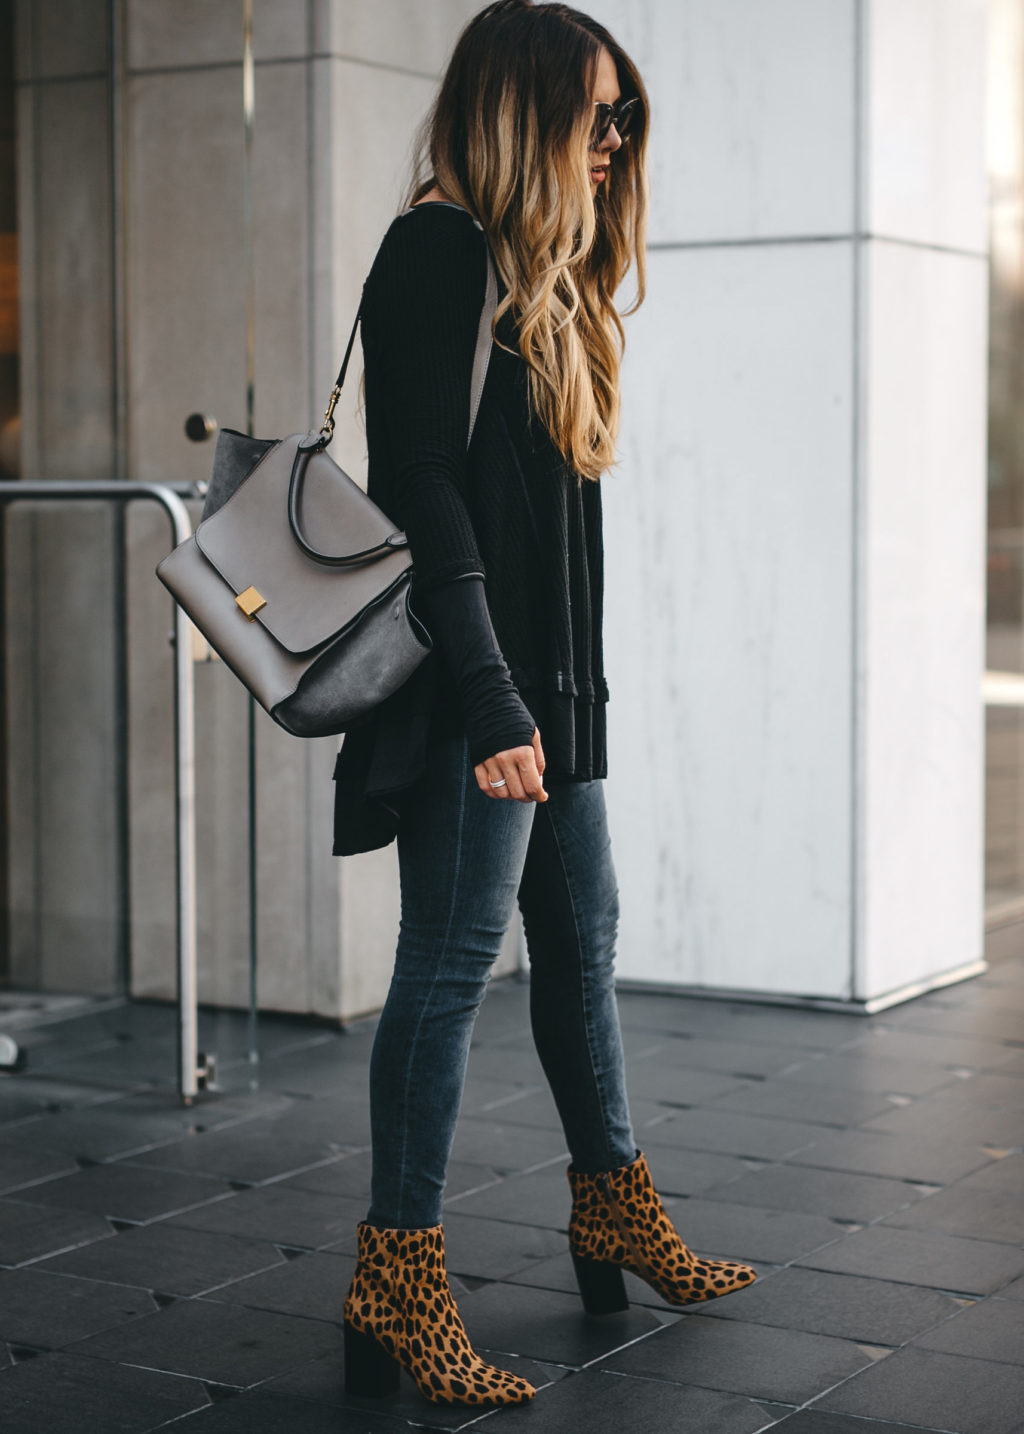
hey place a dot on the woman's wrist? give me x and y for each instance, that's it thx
(494, 715)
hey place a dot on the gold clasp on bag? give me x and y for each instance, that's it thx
(327, 427)
(251, 602)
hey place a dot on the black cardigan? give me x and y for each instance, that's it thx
(510, 509)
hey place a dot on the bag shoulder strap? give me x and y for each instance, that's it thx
(482, 353)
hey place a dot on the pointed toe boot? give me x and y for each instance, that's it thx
(619, 1223)
(400, 1313)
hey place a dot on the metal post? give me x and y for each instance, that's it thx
(248, 106)
(170, 497)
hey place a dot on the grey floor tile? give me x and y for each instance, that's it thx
(19, 1168)
(323, 1381)
(253, 1151)
(985, 1125)
(172, 1261)
(735, 1058)
(782, 1097)
(1012, 1291)
(505, 1147)
(987, 1022)
(662, 1011)
(148, 1061)
(836, 1194)
(976, 1213)
(808, 1421)
(274, 1414)
(543, 1324)
(286, 1217)
(65, 1392)
(691, 1172)
(744, 1232)
(602, 1403)
(499, 1062)
(860, 1069)
(126, 1192)
(47, 1311)
(557, 1273)
(319, 1074)
(215, 1342)
(99, 1132)
(782, 1364)
(888, 1043)
(31, 1232)
(940, 1391)
(16, 1107)
(989, 1088)
(494, 1249)
(655, 1079)
(1004, 1176)
(528, 1107)
(875, 1152)
(1012, 1064)
(782, 1025)
(993, 1329)
(482, 1249)
(50, 1090)
(543, 1198)
(312, 1286)
(942, 1262)
(730, 1133)
(349, 1175)
(480, 1094)
(845, 1306)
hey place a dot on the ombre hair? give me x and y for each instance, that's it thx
(508, 137)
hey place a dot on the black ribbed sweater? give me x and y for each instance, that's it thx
(510, 509)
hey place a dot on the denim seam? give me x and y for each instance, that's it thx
(583, 992)
(442, 951)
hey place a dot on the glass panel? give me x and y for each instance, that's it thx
(1004, 853)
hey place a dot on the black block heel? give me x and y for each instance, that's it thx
(602, 1287)
(369, 1370)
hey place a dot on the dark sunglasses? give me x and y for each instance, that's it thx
(621, 115)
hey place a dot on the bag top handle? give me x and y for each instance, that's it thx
(315, 442)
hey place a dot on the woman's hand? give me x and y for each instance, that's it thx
(522, 769)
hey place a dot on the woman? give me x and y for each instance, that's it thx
(489, 763)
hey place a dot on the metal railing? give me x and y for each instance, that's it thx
(194, 1072)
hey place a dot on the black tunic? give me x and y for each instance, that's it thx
(511, 509)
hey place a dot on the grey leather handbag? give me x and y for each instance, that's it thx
(319, 632)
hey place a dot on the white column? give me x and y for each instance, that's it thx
(795, 532)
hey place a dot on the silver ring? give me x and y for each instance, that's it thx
(502, 783)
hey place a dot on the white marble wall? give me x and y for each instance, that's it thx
(795, 772)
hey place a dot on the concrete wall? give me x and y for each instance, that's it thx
(337, 97)
(795, 528)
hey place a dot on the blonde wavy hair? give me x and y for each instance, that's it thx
(508, 137)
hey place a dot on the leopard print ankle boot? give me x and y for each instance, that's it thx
(399, 1310)
(619, 1223)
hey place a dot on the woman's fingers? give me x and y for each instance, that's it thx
(530, 776)
(491, 779)
(513, 774)
(538, 751)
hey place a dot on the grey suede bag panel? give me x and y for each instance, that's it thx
(319, 632)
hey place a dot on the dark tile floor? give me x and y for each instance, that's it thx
(164, 1266)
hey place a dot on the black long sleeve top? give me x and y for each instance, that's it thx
(508, 520)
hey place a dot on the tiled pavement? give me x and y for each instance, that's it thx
(171, 1267)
